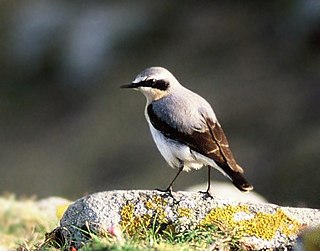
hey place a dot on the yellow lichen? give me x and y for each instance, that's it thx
(224, 217)
(184, 212)
(157, 204)
(262, 225)
(149, 204)
(266, 225)
(239, 219)
(127, 213)
(133, 223)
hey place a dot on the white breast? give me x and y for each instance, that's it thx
(173, 151)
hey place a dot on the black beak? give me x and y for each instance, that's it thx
(131, 85)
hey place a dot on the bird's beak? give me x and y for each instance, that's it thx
(131, 85)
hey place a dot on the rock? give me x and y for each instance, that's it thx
(260, 225)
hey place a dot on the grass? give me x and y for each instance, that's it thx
(24, 222)
(206, 238)
(23, 227)
(210, 238)
(153, 238)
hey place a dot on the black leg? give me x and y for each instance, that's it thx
(169, 188)
(208, 188)
(207, 192)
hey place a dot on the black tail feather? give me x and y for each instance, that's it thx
(241, 183)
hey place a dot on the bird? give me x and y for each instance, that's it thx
(185, 128)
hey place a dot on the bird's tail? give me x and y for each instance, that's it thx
(240, 182)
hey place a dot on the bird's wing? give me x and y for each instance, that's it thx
(222, 150)
(210, 141)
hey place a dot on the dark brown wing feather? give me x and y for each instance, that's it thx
(211, 143)
(222, 145)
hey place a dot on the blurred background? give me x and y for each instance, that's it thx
(67, 129)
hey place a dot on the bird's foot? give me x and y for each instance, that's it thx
(166, 192)
(206, 194)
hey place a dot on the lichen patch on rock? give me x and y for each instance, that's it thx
(258, 225)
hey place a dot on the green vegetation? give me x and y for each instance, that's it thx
(205, 238)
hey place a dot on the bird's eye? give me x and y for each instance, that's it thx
(156, 84)
(150, 82)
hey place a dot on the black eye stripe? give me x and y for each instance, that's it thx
(158, 84)
(161, 85)
(149, 82)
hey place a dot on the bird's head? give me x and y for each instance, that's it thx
(154, 83)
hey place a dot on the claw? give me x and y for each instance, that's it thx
(206, 194)
(166, 192)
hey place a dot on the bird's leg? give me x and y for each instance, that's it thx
(175, 177)
(207, 192)
(209, 180)
(169, 188)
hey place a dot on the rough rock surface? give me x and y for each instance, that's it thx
(260, 225)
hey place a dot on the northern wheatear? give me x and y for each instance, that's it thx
(185, 128)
